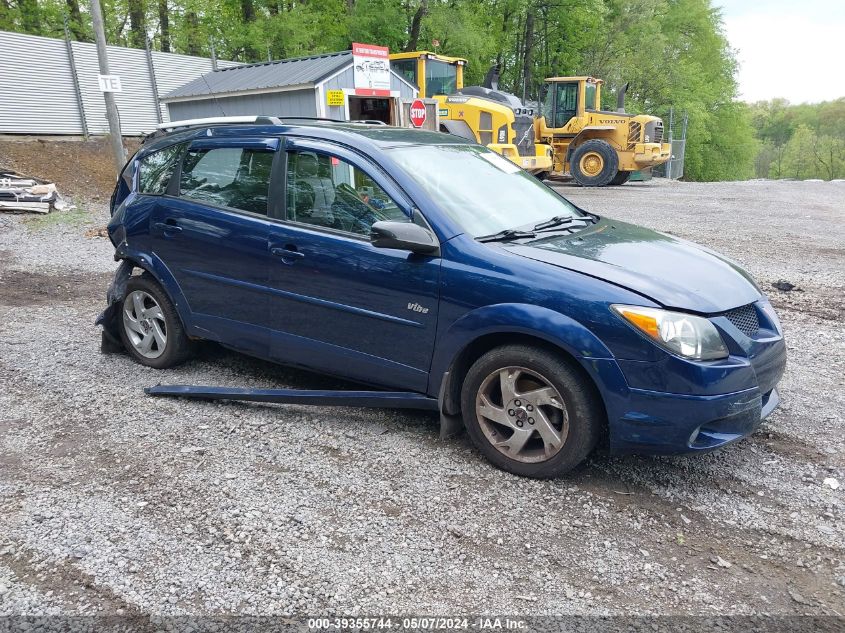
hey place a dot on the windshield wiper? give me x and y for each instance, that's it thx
(562, 220)
(507, 234)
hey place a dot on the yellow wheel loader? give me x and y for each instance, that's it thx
(483, 114)
(597, 147)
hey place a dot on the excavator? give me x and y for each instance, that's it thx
(568, 133)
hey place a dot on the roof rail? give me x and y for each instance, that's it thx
(314, 118)
(368, 121)
(258, 120)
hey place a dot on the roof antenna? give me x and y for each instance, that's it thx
(213, 96)
(213, 55)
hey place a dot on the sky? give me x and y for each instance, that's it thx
(793, 49)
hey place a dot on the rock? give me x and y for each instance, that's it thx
(455, 531)
(797, 597)
(721, 562)
(831, 483)
(528, 598)
(785, 286)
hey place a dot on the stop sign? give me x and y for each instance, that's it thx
(417, 113)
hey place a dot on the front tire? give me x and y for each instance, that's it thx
(150, 328)
(530, 411)
(594, 164)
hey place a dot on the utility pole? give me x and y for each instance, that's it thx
(111, 106)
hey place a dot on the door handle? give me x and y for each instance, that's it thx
(168, 228)
(286, 253)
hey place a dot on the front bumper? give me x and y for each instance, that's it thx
(541, 161)
(676, 406)
(662, 423)
(650, 154)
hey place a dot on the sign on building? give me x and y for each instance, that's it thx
(109, 83)
(334, 97)
(371, 69)
(417, 113)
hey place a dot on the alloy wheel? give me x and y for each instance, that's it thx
(522, 414)
(144, 323)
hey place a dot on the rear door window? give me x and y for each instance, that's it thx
(234, 177)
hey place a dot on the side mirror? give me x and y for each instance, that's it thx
(403, 236)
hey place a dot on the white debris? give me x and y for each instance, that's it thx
(22, 193)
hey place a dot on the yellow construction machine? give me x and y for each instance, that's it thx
(597, 147)
(483, 114)
(570, 133)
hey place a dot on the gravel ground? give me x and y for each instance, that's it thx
(112, 502)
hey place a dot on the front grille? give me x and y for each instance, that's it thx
(523, 126)
(654, 131)
(744, 319)
(634, 134)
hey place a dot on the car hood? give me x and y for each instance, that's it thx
(670, 271)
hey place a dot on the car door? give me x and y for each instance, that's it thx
(340, 304)
(212, 233)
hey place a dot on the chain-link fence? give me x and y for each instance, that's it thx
(676, 134)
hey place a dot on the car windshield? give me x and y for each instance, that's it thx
(481, 190)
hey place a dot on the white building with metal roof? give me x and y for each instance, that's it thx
(315, 86)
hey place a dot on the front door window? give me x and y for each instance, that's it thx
(329, 192)
(561, 104)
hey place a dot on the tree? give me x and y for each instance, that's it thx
(799, 160)
(800, 141)
(137, 23)
(76, 25)
(416, 26)
(30, 16)
(164, 26)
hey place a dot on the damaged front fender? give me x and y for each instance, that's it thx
(108, 318)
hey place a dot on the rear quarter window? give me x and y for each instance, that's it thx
(156, 169)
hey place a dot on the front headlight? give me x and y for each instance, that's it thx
(683, 334)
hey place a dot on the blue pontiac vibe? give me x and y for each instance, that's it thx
(422, 263)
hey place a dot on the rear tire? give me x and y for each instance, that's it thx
(530, 411)
(150, 328)
(621, 178)
(594, 164)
